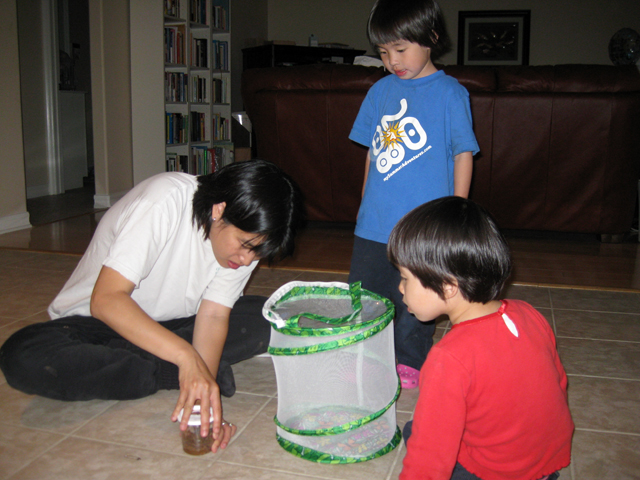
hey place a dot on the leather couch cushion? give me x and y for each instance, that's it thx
(559, 145)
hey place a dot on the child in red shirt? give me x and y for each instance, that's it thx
(493, 392)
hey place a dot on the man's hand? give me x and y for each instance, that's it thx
(197, 385)
(228, 431)
(198, 364)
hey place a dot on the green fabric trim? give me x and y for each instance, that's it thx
(387, 317)
(355, 292)
(313, 291)
(327, 458)
(345, 427)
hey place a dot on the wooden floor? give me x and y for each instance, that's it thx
(543, 259)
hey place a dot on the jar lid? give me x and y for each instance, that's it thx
(194, 418)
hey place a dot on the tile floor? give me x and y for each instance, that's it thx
(598, 338)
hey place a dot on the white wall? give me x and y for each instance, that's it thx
(147, 67)
(111, 99)
(248, 28)
(32, 79)
(13, 201)
(562, 31)
(339, 21)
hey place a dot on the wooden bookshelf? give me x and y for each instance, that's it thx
(197, 91)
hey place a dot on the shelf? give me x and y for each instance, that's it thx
(197, 85)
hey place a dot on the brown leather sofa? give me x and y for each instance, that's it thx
(560, 145)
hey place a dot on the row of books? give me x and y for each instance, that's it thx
(220, 90)
(172, 8)
(223, 154)
(199, 12)
(221, 127)
(174, 52)
(175, 87)
(174, 45)
(199, 52)
(198, 126)
(220, 19)
(199, 89)
(201, 160)
(220, 55)
(176, 128)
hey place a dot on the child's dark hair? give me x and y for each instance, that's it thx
(416, 21)
(449, 240)
(260, 198)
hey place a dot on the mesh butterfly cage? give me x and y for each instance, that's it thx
(332, 349)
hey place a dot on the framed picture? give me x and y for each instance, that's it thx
(493, 37)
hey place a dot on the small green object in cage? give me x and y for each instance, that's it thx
(332, 349)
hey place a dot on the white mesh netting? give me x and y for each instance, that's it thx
(337, 384)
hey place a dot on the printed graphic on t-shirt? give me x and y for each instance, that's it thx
(396, 134)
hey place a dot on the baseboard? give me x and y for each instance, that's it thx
(11, 223)
(106, 201)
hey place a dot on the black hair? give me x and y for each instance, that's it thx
(416, 21)
(260, 198)
(449, 240)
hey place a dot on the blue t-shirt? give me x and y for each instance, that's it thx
(414, 129)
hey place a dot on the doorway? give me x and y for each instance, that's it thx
(56, 108)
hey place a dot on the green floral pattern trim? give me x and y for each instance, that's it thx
(315, 291)
(321, 457)
(387, 317)
(355, 290)
(337, 325)
(346, 427)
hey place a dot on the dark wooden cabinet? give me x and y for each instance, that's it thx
(287, 55)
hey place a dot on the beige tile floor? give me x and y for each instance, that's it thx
(598, 339)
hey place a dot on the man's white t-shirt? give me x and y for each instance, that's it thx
(150, 238)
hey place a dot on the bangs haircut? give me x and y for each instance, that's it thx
(416, 21)
(452, 240)
(260, 199)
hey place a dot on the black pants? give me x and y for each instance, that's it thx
(81, 358)
(369, 264)
(459, 472)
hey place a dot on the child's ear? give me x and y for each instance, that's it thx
(434, 37)
(450, 290)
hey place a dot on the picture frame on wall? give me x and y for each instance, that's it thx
(494, 37)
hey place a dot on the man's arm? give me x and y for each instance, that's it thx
(462, 171)
(210, 332)
(209, 335)
(111, 302)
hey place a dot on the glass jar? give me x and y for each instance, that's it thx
(192, 442)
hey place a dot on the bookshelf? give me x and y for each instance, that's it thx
(197, 81)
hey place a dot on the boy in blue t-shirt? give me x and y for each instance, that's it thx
(417, 125)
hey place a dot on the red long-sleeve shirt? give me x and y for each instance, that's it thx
(493, 401)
